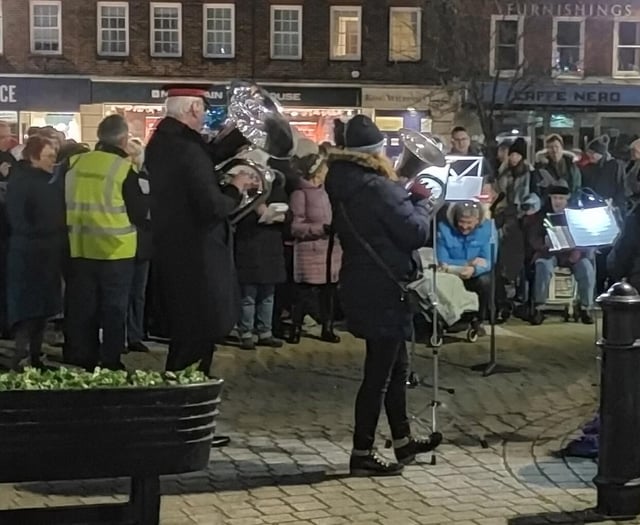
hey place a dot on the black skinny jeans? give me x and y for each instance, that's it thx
(385, 381)
(316, 300)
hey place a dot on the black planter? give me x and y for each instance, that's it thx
(140, 433)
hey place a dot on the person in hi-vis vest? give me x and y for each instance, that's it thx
(104, 202)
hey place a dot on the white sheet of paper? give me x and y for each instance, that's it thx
(275, 213)
(592, 226)
(464, 188)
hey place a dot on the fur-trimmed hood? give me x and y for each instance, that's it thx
(541, 156)
(377, 163)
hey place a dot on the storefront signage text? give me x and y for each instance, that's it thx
(381, 98)
(161, 94)
(589, 9)
(576, 97)
(287, 96)
(8, 94)
(586, 95)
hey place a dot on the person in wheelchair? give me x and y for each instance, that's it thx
(463, 247)
(544, 262)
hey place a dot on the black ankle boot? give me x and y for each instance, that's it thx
(328, 334)
(407, 454)
(294, 335)
(373, 465)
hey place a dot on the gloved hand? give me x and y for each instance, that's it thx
(418, 192)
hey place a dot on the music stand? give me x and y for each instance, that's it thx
(492, 366)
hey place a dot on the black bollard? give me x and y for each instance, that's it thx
(618, 478)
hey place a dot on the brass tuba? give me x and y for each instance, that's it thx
(259, 118)
(422, 151)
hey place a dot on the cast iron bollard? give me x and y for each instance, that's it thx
(618, 478)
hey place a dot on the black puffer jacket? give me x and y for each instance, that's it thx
(382, 213)
(624, 259)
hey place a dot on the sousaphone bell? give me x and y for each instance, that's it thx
(420, 152)
(259, 118)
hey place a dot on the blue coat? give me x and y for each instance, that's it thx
(455, 249)
(394, 227)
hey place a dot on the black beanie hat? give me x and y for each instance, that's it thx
(361, 134)
(598, 145)
(559, 187)
(519, 146)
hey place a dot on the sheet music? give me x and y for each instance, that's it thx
(560, 238)
(464, 188)
(592, 226)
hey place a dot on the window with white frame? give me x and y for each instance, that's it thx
(46, 27)
(568, 46)
(219, 38)
(166, 29)
(506, 43)
(286, 32)
(346, 32)
(113, 28)
(405, 34)
(626, 52)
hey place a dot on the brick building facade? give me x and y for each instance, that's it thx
(324, 58)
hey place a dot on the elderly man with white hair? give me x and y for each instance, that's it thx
(192, 267)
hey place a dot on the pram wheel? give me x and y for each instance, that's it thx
(472, 335)
(536, 318)
(435, 341)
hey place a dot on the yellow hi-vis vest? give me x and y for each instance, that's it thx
(97, 221)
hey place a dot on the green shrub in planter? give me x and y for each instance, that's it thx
(71, 379)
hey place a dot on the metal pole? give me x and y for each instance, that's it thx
(618, 478)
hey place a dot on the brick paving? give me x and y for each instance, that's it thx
(289, 413)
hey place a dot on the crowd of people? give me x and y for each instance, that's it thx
(86, 236)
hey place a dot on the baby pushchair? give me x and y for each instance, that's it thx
(445, 297)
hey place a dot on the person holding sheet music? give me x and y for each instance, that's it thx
(545, 261)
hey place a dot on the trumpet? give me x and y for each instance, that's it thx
(259, 118)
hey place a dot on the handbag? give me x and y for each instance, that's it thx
(407, 292)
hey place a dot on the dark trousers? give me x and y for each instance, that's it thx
(481, 286)
(184, 353)
(135, 315)
(602, 276)
(316, 300)
(29, 337)
(385, 382)
(97, 296)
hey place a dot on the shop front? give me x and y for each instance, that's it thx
(428, 110)
(43, 101)
(576, 112)
(140, 102)
(313, 109)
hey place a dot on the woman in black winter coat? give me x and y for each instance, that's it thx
(37, 241)
(371, 208)
(259, 258)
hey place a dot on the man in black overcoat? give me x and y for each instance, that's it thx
(193, 255)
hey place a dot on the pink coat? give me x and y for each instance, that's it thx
(311, 212)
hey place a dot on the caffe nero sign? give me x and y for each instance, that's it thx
(565, 95)
(145, 93)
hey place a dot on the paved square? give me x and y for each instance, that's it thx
(289, 413)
